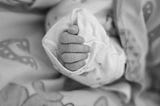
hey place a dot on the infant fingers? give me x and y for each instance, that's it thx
(74, 48)
(66, 38)
(73, 57)
(75, 66)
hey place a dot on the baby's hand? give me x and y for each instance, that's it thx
(72, 51)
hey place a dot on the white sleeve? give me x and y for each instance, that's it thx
(106, 60)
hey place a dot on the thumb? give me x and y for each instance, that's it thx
(73, 29)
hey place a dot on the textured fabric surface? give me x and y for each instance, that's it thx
(26, 74)
(106, 61)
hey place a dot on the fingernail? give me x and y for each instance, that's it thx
(73, 29)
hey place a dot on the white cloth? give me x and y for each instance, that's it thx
(106, 60)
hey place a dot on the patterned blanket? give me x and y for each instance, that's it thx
(28, 78)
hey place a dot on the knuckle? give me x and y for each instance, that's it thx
(81, 39)
(86, 48)
(78, 39)
(85, 56)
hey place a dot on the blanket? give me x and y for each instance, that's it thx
(28, 78)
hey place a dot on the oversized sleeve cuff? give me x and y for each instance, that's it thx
(106, 60)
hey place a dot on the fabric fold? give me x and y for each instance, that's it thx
(106, 60)
(133, 34)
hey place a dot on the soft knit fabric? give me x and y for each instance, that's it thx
(106, 61)
(27, 77)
